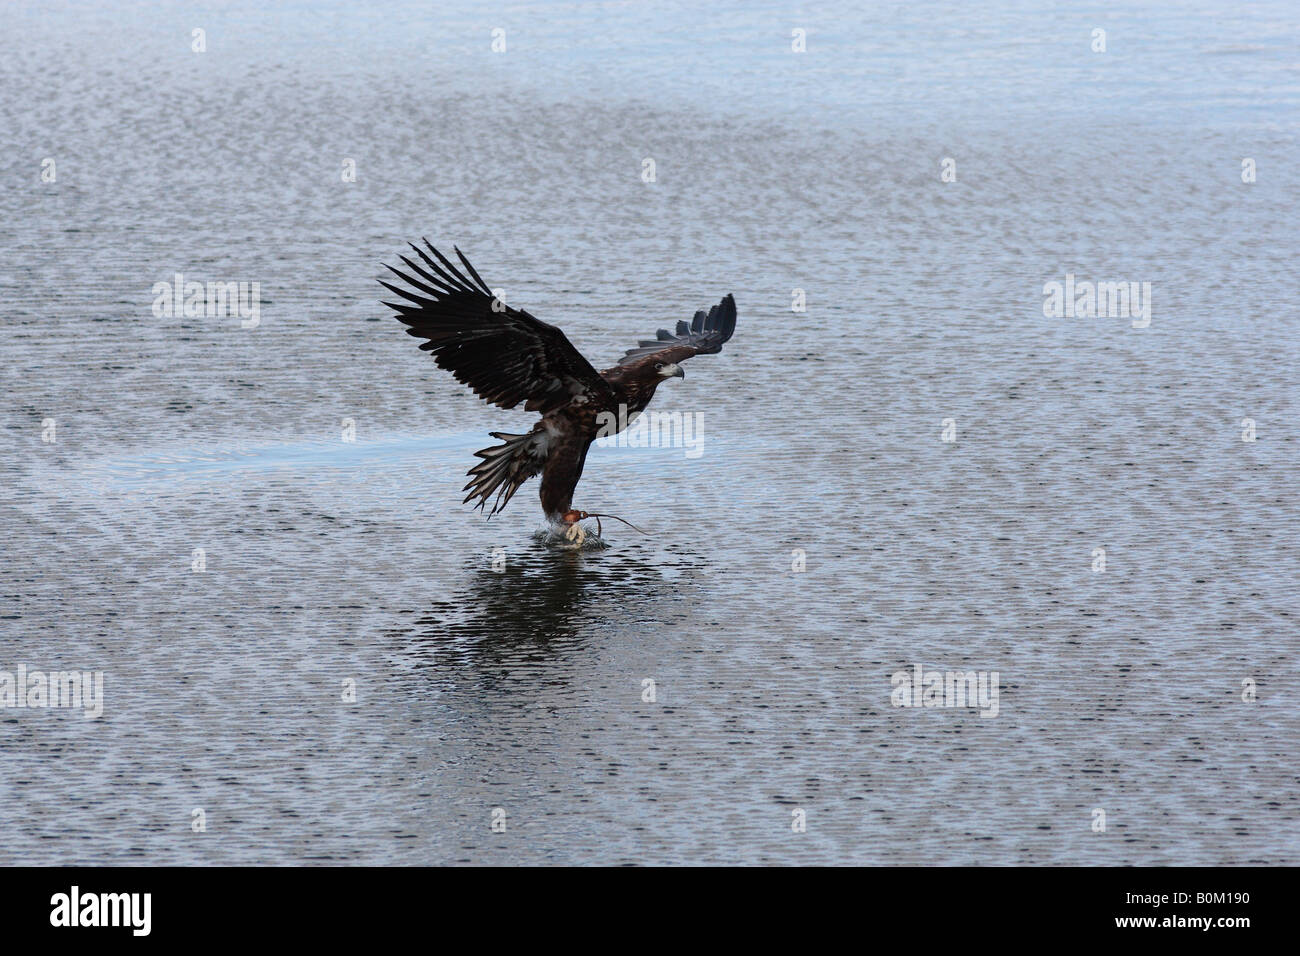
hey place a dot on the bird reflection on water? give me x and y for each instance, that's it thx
(545, 604)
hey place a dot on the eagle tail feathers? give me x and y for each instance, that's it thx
(504, 468)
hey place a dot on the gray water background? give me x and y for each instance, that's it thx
(330, 561)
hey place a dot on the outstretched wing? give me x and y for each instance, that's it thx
(703, 336)
(505, 355)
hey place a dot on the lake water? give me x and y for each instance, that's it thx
(497, 673)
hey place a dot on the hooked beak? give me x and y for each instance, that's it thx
(679, 373)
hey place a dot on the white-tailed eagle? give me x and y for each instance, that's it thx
(507, 356)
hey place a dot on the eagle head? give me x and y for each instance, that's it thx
(669, 370)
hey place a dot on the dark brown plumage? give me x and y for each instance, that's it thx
(507, 356)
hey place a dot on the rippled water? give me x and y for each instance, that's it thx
(497, 670)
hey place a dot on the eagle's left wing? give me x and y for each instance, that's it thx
(505, 355)
(704, 335)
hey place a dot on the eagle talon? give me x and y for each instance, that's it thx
(575, 532)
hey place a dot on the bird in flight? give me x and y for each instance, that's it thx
(506, 356)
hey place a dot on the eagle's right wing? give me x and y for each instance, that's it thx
(704, 335)
(505, 355)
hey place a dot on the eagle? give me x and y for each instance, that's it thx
(507, 356)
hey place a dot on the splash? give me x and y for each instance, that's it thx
(563, 538)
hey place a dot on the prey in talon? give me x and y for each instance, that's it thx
(507, 356)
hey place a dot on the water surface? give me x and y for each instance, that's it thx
(492, 669)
